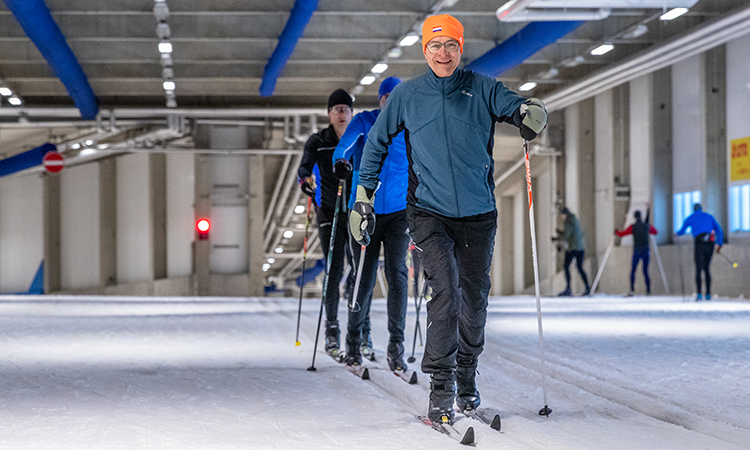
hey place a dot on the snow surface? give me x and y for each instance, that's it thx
(224, 373)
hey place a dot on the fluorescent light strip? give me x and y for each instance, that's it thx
(602, 49)
(673, 13)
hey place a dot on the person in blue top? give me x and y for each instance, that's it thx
(390, 232)
(447, 117)
(707, 232)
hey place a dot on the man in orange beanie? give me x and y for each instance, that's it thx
(448, 118)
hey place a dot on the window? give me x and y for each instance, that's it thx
(683, 207)
(739, 208)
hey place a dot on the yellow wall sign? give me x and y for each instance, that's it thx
(740, 165)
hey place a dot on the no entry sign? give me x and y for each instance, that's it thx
(53, 162)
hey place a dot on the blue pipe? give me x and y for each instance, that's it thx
(295, 26)
(522, 45)
(25, 160)
(38, 24)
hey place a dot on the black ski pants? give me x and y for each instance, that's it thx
(640, 254)
(456, 256)
(569, 256)
(338, 258)
(704, 250)
(390, 232)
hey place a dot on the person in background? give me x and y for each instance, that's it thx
(319, 151)
(640, 231)
(390, 232)
(572, 236)
(447, 116)
(707, 232)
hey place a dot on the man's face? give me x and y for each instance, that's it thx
(340, 116)
(443, 62)
(382, 100)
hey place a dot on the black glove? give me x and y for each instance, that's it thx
(342, 168)
(307, 185)
(533, 118)
(362, 217)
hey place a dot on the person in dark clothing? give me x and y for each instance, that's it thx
(707, 233)
(390, 232)
(572, 236)
(448, 117)
(640, 231)
(319, 151)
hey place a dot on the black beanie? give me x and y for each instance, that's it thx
(637, 214)
(339, 97)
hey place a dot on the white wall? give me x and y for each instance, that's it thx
(180, 213)
(79, 227)
(738, 87)
(688, 127)
(641, 145)
(520, 207)
(134, 262)
(229, 252)
(571, 157)
(21, 232)
(604, 169)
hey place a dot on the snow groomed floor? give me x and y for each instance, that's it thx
(223, 373)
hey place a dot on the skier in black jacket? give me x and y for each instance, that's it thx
(319, 150)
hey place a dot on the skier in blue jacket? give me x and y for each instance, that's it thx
(707, 233)
(390, 232)
(448, 117)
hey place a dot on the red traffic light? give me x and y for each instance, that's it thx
(203, 225)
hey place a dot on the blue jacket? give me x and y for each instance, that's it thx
(699, 223)
(448, 126)
(391, 194)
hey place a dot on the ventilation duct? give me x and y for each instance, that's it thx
(522, 45)
(38, 24)
(295, 26)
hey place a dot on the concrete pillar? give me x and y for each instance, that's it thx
(52, 252)
(604, 171)
(715, 97)
(661, 115)
(520, 206)
(202, 248)
(641, 144)
(107, 222)
(256, 206)
(504, 256)
(158, 194)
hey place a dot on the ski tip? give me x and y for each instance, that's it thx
(366, 374)
(468, 438)
(413, 379)
(546, 411)
(495, 424)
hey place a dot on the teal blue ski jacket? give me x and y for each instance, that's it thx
(449, 126)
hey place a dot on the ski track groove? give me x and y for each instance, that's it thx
(658, 408)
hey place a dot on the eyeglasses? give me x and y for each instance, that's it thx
(450, 46)
(340, 109)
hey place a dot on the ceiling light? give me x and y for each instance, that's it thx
(367, 80)
(271, 260)
(409, 40)
(602, 49)
(89, 142)
(673, 13)
(166, 59)
(5, 92)
(168, 85)
(167, 73)
(288, 234)
(87, 151)
(14, 100)
(551, 73)
(572, 62)
(266, 267)
(161, 11)
(165, 47)
(394, 52)
(636, 32)
(299, 209)
(278, 250)
(527, 86)
(379, 68)
(163, 31)
(102, 146)
(75, 146)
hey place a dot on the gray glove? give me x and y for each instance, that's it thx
(533, 118)
(362, 217)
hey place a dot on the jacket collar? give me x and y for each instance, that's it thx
(448, 83)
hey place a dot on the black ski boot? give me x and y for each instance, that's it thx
(365, 347)
(442, 396)
(587, 291)
(565, 293)
(396, 357)
(332, 338)
(353, 356)
(468, 396)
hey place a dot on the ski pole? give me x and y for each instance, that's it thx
(328, 268)
(417, 326)
(734, 264)
(601, 266)
(546, 411)
(353, 305)
(682, 275)
(304, 259)
(661, 266)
